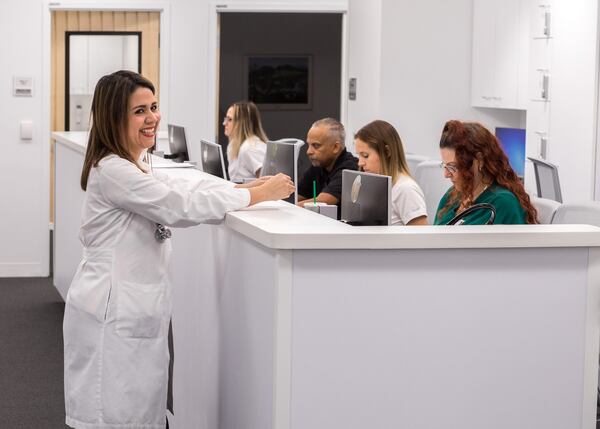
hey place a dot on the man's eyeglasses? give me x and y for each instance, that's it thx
(448, 167)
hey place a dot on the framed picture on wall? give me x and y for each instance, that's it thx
(279, 82)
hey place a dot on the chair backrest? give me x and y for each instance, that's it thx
(545, 209)
(546, 179)
(584, 213)
(413, 160)
(430, 178)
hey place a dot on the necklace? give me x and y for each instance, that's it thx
(465, 204)
(482, 191)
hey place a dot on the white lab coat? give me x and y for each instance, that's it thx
(119, 303)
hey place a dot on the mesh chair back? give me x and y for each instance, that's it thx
(413, 160)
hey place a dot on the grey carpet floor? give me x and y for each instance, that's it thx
(31, 354)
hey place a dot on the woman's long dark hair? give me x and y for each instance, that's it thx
(108, 134)
(470, 141)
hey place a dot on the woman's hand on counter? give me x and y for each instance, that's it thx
(255, 182)
(273, 188)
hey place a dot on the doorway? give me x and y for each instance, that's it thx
(257, 54)
(97, 23)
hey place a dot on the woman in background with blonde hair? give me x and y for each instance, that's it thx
(247, 140)
(380, 151)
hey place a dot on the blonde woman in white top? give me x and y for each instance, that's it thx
(380, 151)
(247, 140)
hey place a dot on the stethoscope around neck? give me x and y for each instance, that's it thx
(459, 219)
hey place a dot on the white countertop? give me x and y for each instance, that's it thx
(281, 225)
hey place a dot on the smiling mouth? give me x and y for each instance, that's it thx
(148, 132)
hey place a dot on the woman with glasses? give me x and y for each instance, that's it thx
(480, 173)
(380, 151)
(247, 141)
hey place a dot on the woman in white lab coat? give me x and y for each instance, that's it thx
(247, 141)
(119, 303)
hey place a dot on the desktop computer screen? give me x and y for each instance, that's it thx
(212, 159)
(281, 157)
(366, 198)
(512, 141)
(177, 144)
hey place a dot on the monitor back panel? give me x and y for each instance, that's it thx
(178, 143)
(366, 198)
(212, 159)
(281, 158)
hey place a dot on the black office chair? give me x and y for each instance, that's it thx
(546, 180)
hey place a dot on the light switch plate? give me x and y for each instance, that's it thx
(26, 130)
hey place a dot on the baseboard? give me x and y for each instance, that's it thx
(24, 269)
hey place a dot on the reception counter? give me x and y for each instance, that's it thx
(284, 318)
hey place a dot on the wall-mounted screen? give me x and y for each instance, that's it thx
(279, 82)
(513, 143)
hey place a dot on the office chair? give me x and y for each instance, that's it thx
(413, 160)
(431, 179)
(545, 209)
(587, 213)
(546, 179)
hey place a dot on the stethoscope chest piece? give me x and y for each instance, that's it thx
(161, 233)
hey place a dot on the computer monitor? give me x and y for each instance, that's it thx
(212, 160)
(546, 179)
(177, 144)
(282, 157)
(366, 198)
(512, 141)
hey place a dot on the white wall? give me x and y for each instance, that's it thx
(364, 63)
(24, 213)
(426, 71)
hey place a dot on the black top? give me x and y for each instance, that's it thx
(329, 182)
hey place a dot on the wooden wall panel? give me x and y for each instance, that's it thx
(108, 21)
(84, 21)
(119, 21)
(96, 21)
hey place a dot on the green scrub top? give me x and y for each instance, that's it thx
(508, 209)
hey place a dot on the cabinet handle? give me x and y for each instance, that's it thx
(543, 143)
(547, 21)
(545, 86)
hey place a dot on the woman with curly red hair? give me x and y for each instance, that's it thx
(479, 170)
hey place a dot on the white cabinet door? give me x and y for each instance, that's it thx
(483, 61)
(500, 43)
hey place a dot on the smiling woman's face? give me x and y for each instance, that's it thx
(143, 119)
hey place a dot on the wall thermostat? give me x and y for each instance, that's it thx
(23, 86)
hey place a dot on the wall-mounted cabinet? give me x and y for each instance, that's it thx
(500, 54)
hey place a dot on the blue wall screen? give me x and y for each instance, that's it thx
(513, 143)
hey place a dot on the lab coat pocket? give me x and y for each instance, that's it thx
(140, 309)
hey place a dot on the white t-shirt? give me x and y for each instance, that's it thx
(249, 161)
(408, 201)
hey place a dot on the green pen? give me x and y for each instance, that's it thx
(315, 192)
